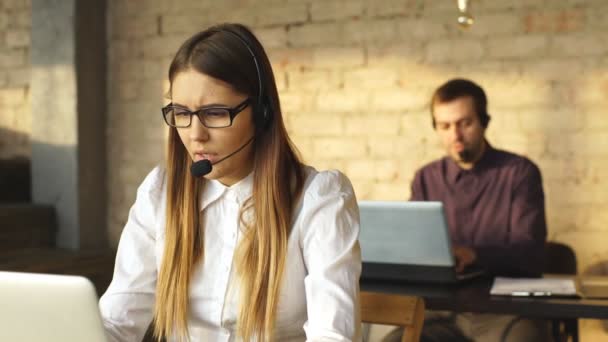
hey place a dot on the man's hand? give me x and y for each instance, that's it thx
(464, 257)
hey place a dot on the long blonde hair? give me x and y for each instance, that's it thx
(277, 184)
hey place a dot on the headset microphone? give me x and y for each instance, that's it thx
(204, 167)
(201, 168)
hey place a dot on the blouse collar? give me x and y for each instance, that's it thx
(213, 190)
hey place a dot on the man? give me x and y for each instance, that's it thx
(494, 205)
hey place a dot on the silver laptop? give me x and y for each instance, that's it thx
(407, 241)
(50, 308)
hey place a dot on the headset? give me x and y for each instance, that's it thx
(262, 106)
(484, 118)
(203, 167)
(459, 88)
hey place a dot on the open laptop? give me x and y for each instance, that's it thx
(593, 286)
(50, 308)
(407, 241)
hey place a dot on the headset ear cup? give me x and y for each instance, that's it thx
(486, 120)
(262, 116)
(267, 115)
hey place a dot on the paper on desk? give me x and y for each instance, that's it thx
(533, 286)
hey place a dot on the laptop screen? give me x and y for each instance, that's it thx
(50, 308)
(412, 233)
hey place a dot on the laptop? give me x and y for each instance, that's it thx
(50, 308)
(407, 241)
(593, 286)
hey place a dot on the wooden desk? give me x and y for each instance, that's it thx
(474, 296)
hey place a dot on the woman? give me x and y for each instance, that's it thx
(259, 248)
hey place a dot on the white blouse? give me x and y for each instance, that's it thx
(319, 296)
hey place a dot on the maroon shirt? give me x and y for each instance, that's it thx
(497, 208)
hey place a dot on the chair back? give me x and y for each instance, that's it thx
(559, 259)
(393, 309)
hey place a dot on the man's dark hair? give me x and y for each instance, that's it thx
(459, 87)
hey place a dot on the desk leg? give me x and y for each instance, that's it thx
(556, 330)
(569, 332)
(571, 326)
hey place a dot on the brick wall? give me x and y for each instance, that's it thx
(355, 77)
(15, 116)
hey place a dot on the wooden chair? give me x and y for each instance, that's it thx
(394, 309)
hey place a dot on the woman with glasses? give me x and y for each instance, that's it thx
(234, 238)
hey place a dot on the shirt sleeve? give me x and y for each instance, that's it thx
(127, 305)
(331, 252)
(417, 191)
(523, 255)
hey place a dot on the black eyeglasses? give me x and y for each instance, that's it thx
(210, 117)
